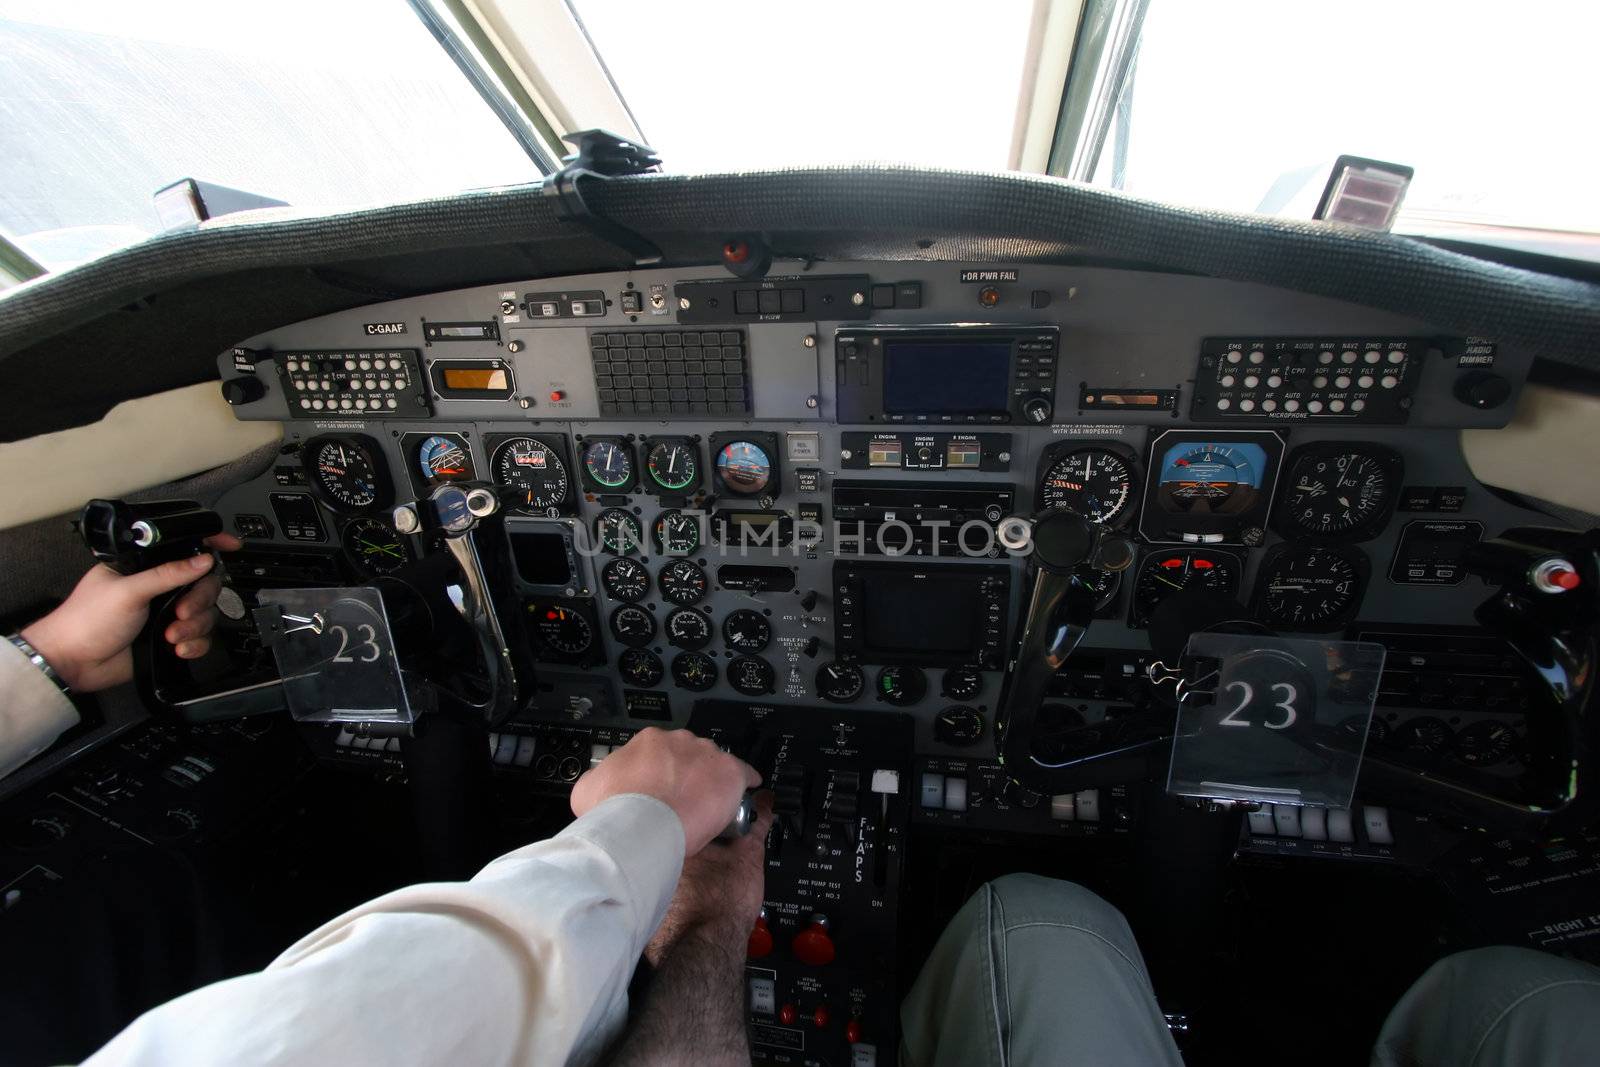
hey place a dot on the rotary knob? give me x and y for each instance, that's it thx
(1037, 410)
(244, 390)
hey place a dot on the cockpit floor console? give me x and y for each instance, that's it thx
(820, 978)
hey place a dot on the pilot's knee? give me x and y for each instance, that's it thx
(1032, 899)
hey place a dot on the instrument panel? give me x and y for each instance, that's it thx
(794, 498)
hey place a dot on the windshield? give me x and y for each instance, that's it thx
(732, 85)
(318, 103)
(1245, 104)
(1235, 104)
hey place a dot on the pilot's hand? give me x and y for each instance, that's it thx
(689, 774)
(87, 638)
(719, 893)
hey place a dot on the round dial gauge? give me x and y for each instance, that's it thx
(443, 459)
(1485, 742)
(1208, 479)
(533, 467)
(375, 547)
(687, 628)
(1103, 583)
(609, 463)
(1165, 573)
(694, 670)
(672, 465)
(1332, 493)
(1092, 482)
(961, 683)
(640, 667)
(959, 726)
(840, 682)
(676, 534)
(744, 468)
(751, 675)
(619, 531)
(562, 629)
(682, 582)
(746, 631)
(632, 625)
(1308, 589)
(1427, 734)
(346, 473)
(625, 579)
(901, 686)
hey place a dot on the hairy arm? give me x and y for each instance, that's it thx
(694, 1011)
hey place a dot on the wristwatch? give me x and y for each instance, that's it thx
(37, 659)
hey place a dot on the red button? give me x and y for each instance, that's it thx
(852, 1031)
(557, 396)
(812, 946)
(787, 1015)
(760, 940)
(820, 1017)
(1565, 579)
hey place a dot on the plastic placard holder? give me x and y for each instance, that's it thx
(336, 656)
(1273, 720)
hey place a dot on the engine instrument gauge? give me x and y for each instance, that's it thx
(443, 459)
(531, 465)
(1485, 742)
(640, 667)
(1309, 588)
(675, 533)
(374, 547)
(633, 626)
(625, 579)
(744, 468)
(609, 463)
(561, 629)
(1339, 491)
(1428, 734)
(1162, 574)
(346, 472)
(840, 682)
(682, 582)
(752, 676)
(694, 671)
(1095, 483)
(747, 631)
(959, 726)
(901, 686)
(1104, 584)
(687, 628)
(961, 683)
(673, 465)
(618, 531)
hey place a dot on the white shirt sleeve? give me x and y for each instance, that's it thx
(33, 710)
(527, 963)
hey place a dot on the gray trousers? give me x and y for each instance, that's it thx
(1034, 971)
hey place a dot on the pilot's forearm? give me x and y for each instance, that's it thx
(693, 1015)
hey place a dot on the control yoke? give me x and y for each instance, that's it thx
(471, 518)
(1060, 546)
(1548, 610)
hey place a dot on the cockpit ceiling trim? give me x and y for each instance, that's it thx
(154, 316)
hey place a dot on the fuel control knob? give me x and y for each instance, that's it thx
(812, 946)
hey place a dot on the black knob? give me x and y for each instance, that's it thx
(1482, 389)
(1037, 409)
(812, 644)
(809, 601)
(244, 390)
